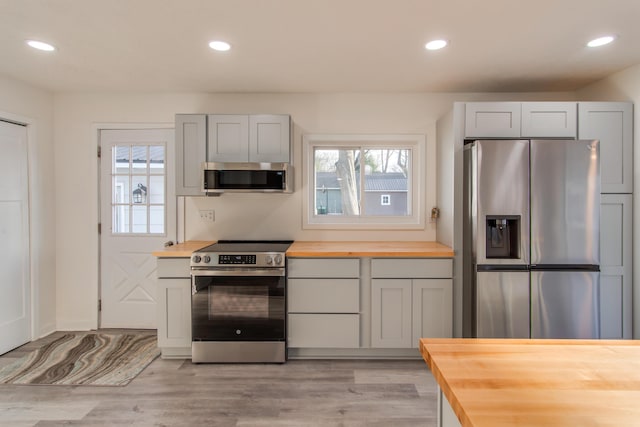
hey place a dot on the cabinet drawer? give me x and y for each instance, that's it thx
(174, 267)
(411, 268)
(323, 267)
(324, 330)
(323, 295)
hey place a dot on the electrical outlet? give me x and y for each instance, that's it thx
(208, 215)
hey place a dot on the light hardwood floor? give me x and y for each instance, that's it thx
(350, 393)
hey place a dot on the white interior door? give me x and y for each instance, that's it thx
(138, 215)
(15, 287)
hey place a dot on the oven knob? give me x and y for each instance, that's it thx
(206, 259)
(269, 259)
(196, 258)
(238, 331)
(278, 259)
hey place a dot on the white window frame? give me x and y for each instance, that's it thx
(385, 200)
(414, 142)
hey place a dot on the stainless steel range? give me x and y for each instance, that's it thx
(238, 305)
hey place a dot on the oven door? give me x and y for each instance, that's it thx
(238, 305)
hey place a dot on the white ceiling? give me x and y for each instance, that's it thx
(316, 45)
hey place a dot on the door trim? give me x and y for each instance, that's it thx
(95, 129)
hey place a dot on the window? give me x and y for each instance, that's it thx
(355, 181)
(138, 199)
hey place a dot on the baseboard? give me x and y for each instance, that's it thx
(76, 326)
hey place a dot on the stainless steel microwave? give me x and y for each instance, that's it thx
(246, 177)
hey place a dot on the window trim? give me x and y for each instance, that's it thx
(417, 188)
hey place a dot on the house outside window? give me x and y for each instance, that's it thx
(352, 178)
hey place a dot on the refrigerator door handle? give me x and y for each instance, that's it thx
(564, 267)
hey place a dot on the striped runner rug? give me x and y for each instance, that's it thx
(97, 359)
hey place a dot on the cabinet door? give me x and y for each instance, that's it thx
(616, 265)
(174, 313)
(432, 309)
(492, 120)
(611, 123)
(269, 139)
(191, 151)
(549, 120)
(228, 138)
(391, 313)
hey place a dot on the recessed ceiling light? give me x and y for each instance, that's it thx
(601, 41)
(435, 44)
(220, 46)
(41, 45)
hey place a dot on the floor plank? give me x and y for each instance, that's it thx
(301, 393)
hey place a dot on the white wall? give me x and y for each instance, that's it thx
(238, 216)
(625, 86)
(28, 105)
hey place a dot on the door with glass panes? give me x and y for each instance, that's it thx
(137, 215)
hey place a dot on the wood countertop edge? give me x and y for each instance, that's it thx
(342, 249)
(371, 253)
(445, 387)
(390, 249)
(181, 250)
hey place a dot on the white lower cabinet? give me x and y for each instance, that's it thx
(323, 297)
(174, 307)
(405, 310)
(418, 303)
(174, 325)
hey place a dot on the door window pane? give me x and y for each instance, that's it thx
(121, 190)
(139, 219)
(156, 219)
(139, 156)
(156, 159)
(120, 219)
(156, 189)
(121, 159)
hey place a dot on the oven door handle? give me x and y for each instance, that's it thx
(265, 272)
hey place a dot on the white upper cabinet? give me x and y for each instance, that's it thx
(191, 146)
(612, 124)
(549, 120)
(492, 120)
(269, 138)
(248, 138)
(228, 138)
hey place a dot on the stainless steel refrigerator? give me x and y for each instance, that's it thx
(531, 239)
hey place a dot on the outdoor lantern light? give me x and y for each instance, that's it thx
(140, 194)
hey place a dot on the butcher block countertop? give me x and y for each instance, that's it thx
(497, 383)
(370, 249)
(181, 250)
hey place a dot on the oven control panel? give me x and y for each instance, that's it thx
(254, 260)
(237, 259)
